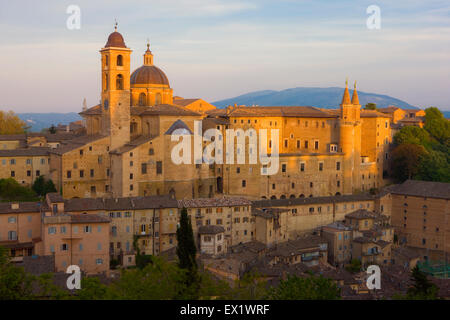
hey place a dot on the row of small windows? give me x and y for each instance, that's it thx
(63, 229)
(65, 247)
(38, 173)
(302, 167)
(317, 124)
(81, 173)
(28, 161)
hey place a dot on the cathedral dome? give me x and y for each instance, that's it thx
(115, 39)
(149, 74)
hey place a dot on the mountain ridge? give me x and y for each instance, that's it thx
(321, 97)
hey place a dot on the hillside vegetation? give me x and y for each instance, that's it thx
(423, 153)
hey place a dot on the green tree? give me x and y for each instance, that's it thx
(437, 125)
(412, 135)
(370, 106)
(422, 288)
(91, 289)
(434, 166)
(186, 252)
(354, 266)
(11, 190)
(305, 288)
(406, 160)
(15, 283)
(39, 185)
(49, 186)
(42, 186)
(52, 129)
(251, 286)
(159, 280)
(186, 249)
(10, 123)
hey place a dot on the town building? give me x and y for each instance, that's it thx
(420, 216)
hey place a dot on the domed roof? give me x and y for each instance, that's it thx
(115, 39)
(149, 75)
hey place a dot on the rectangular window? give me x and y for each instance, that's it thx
(38, 173)
(69, 174)
(320, 166)
(338, 166)
(283, 167)
(92, 173)
(12, 235)
(81, 173)
(52, 230)
(159, 167)
(144, 168)
(244, 183)
(316, 145)
(302, 166)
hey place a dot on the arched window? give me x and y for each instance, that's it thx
(119, 82)
(301, 196)
(142, 99)
(119, 60)
(158, 98)
(273, 197)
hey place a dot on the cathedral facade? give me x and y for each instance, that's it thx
(127, 150)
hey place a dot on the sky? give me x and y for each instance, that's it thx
(217, 49)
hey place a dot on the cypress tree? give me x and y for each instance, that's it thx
(186, 249)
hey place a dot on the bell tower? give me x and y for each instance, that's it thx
(350, 140)
(115, 101)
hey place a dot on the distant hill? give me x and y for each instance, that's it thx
(39, 121)
(302, 96)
